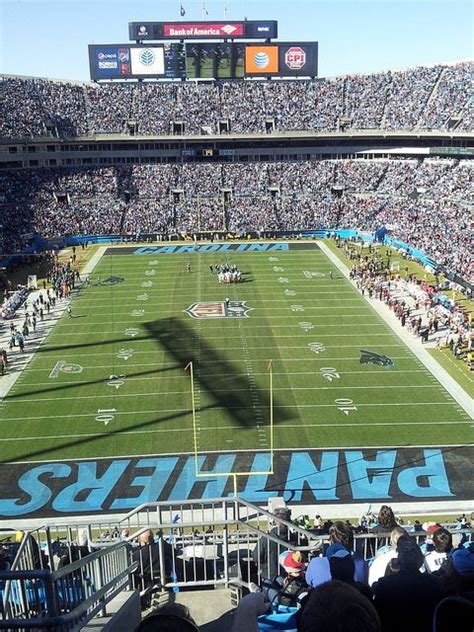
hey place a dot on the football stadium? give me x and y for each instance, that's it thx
(236, 336)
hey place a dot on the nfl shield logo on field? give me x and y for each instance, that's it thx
(218, 309)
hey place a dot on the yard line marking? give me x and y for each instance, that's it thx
(130, 378)
(135, 337)
(127, 322)
(215, 428)
(253, 393)
(282, 360)
(188, 412)
(300, 347)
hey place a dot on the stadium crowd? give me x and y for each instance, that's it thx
(421, 97)
(425, 203)
(409, 577)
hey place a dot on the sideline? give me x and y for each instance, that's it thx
(414, 344)
(17, 361)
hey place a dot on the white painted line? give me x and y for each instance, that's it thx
(215, 408)
(226, 428)
(253, 394)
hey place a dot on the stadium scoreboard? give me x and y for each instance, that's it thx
(203, 60)
(223, 29)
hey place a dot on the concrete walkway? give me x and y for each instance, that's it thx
(413, 343)
(18, 361)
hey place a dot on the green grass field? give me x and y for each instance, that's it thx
(130, 323)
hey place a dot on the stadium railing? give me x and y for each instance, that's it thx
(66, 598)
(212, 541)
(206, 543)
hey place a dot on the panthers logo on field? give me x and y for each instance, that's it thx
(370, 357)
(112, 280)
(218, 309)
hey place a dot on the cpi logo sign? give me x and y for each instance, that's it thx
(295, 58)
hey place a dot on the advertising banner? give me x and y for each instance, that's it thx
(298, 59)
(203, 30)
(127, 61)
(109, 62)
(209, 29)
(148, 61)
(261, 60)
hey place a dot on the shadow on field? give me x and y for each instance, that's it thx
(45, 348)
(58, 388)
(212, 371)
(90, 440)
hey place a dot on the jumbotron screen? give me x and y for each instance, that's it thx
(215, 61)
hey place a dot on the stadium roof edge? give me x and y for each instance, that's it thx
(216, 138)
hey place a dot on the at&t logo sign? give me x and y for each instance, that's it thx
(295, 58)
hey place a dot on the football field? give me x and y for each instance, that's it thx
(111, 380)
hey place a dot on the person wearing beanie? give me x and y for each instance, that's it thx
(288, 590)
(407, 600)
(463, 560)
(339, 560)
(293, 563)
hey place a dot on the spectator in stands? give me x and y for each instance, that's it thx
(457, 574)
(338, 607)
(454, 613)
(345, 565)
(385, 521)
(288, 590)
(248, 610)
(75, 551)
(266, 553)
(407, 600)
(171, 617)
(148, 558)
(442, 543)
(383, 555)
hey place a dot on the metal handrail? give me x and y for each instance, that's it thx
(66, 586)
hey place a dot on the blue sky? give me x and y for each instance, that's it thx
(50, 38)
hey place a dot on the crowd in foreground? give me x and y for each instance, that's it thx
(378, 575)
(416, 98)
(427, 204)
(415, 578)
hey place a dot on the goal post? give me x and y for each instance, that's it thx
(234, 475)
